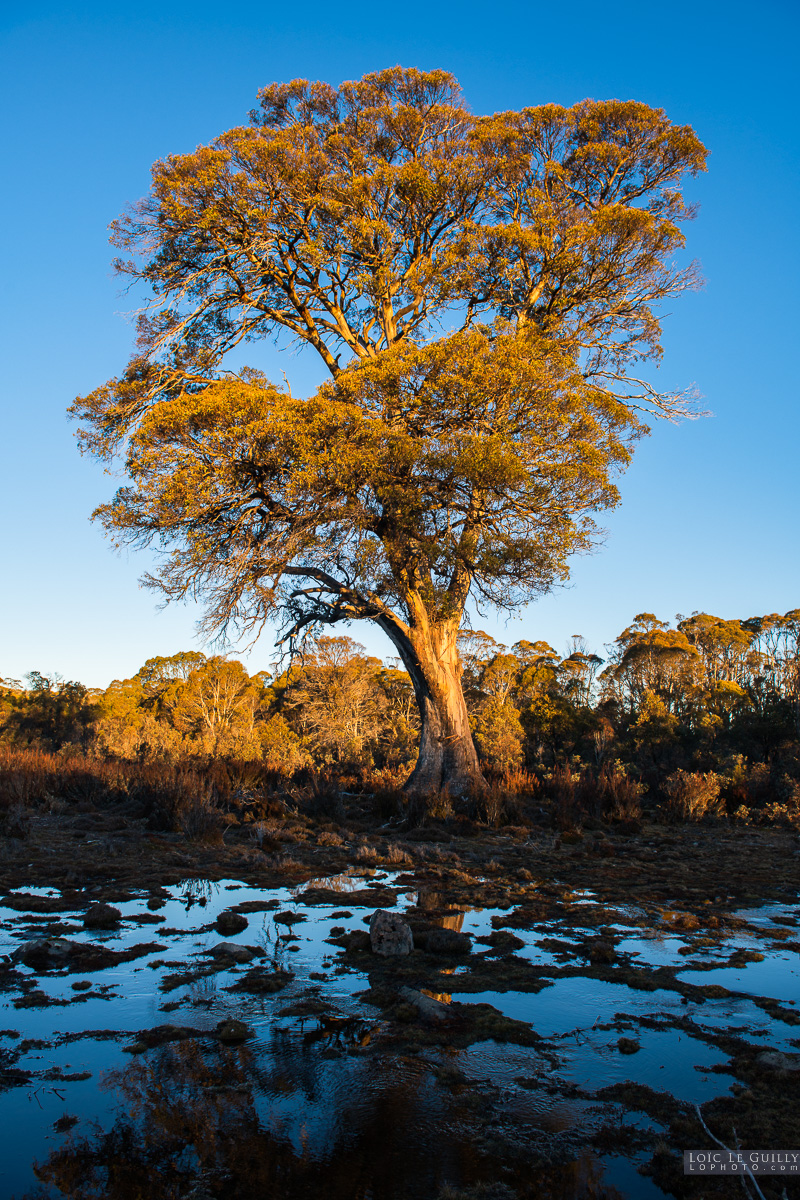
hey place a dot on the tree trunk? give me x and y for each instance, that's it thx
(447, 759)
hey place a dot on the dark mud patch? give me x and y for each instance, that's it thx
(161, 1035)
(361, 898)
(446, 1022)
(69, 957)
(188, 974)
(262, 982)
(90, 1035)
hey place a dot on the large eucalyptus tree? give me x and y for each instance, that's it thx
(480, 290)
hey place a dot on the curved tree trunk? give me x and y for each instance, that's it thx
(447, 760)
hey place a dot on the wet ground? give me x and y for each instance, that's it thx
(563, 1012)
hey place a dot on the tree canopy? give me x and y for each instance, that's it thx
(465, 464)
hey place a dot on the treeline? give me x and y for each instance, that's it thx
(335, 706)
(705, 714)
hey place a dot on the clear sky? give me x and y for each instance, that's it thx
(94, 93)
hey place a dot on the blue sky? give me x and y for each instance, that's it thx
(93, 94)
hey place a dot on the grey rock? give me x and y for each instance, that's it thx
(389, 934)
(426, 1006)
(46, 952)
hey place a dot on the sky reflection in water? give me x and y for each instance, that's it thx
(320, 1100)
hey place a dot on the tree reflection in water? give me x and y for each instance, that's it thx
(203, 1121)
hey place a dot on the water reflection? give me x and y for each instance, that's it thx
(197, 891)
(442, 997)
(208, 1121)
(435, 907)
(321, 1100)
